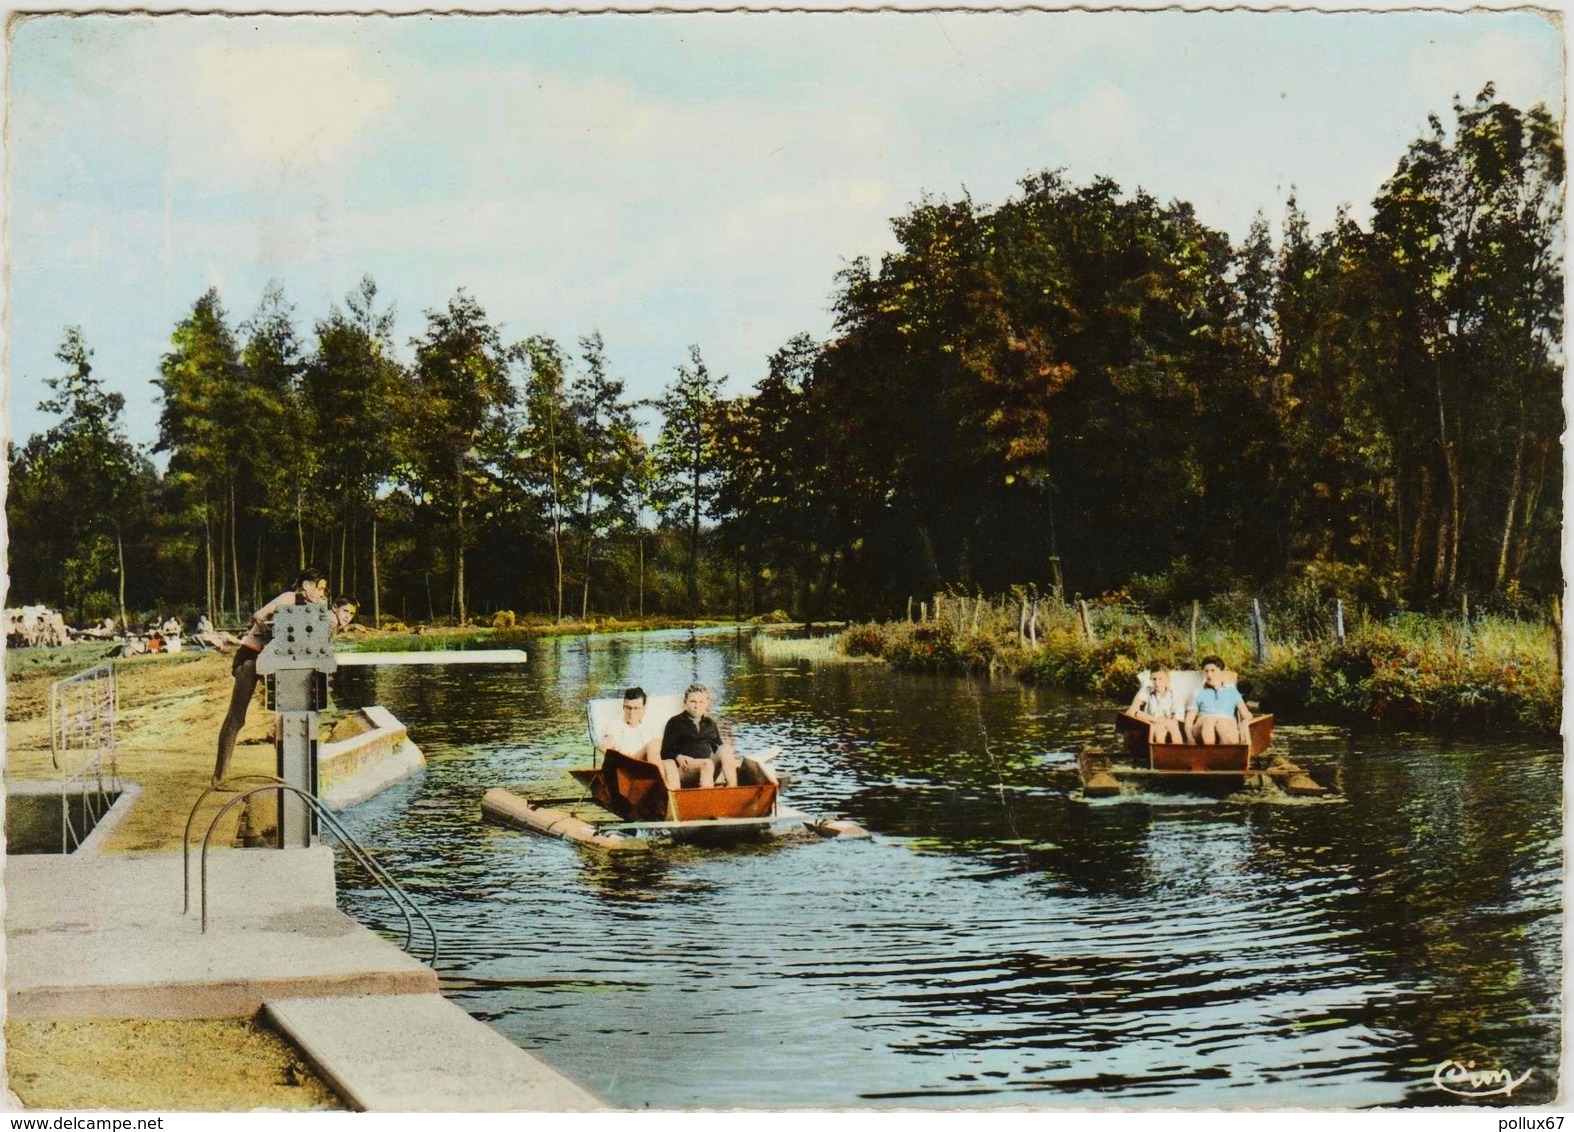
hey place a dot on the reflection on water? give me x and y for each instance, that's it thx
(997, 943)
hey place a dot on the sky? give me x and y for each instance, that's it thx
(664, 179)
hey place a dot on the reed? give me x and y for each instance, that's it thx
(774, 650)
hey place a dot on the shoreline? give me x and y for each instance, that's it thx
(1409, 673)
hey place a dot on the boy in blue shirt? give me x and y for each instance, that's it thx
(1217, 714)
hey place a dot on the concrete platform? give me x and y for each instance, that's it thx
(421, 1053)
(103, 936)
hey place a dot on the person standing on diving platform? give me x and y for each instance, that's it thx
(310, 586)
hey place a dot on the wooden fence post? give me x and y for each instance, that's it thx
(1339, 621)
(1259, 635)
(1557, 633)
(1087, 623)
(909, 607)
(1032, 627)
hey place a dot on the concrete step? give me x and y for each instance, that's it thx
(105, 937)
(421, 1053)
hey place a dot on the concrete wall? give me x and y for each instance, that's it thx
(355, 768)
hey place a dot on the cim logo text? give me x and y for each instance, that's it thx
(1463, 1079)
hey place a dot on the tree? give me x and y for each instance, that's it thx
(463, 391)
(609, 448)
(1467, 236)
(204, 423)
(358, 401)
(1002, 359)
(770, 501)
(687, 458)
(274, 473)
(548, 442)
(74, 488)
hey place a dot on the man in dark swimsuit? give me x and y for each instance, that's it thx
(309, 586)
(692, 747)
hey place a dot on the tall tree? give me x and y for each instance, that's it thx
(74, 489)
(609, 446)
(203, 423)
(771, 501)
(359, 400)
(1468, 233)
(273, 475)
(687, 458)
(463, 392)
(548, 443)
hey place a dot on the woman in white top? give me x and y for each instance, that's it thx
(1155, 705)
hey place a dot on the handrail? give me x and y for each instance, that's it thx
(401, 898)
(185, 838)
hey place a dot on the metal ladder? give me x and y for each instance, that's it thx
(403, 901)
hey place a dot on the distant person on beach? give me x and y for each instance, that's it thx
(1155, 705)
(692, 747)
(1217, 713)
(103, 632)
(310, 586)
(635, 734)
(210, 638)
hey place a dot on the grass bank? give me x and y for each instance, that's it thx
(507, 632)
(1408, 669)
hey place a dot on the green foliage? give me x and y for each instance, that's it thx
(1408, 669)
(463, 390)
(78, 494)
(609, 469)
(687, 459)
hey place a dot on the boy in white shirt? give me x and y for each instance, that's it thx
(634, 735)
(1155, 705)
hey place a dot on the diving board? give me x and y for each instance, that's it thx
(433, 656)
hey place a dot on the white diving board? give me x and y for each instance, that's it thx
(434, 656)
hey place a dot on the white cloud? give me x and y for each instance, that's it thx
(1522, 67)
(284, 105)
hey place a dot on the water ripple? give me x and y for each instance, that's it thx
(997, 943)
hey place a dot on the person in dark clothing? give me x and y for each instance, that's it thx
(693, 751)
(310, 586)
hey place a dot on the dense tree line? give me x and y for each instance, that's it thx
(1074, 388)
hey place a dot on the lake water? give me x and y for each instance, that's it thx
(997, 943)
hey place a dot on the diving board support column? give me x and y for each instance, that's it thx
(297, 662)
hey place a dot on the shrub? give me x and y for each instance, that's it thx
(867, 639)
(503, 619)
